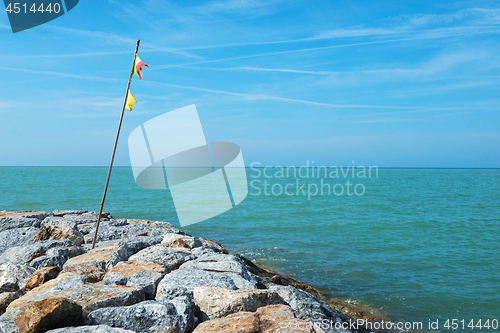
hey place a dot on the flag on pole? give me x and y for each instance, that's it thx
(130, 101)
(138, 63)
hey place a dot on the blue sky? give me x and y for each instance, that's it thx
(393, 83)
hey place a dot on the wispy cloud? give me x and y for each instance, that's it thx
(59, 74)
(247, 96)
(260, 69)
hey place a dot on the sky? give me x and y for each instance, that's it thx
(374, 83)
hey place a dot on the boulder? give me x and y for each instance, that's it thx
(186, 311)
(90, 329)
(62, 212)
(41, 276)
(89, 296)
(89, 273)
(66, 251)
(162, 255)
(217, 302)
(241, 322)
(14, 240)
(149, 316)
(144, 276)
(62, 282)
(104, 257)
(47, 261)
(218, 262)
(312, 310)
(130, 245)
(47, 232)
(8, 326)
(13, 277)
(14, 222)
(39, 249)
(182, 283)
(120, 229)
(281, 318)
(268, 319)
(6, 299)
(217, 247)
(177, 240)
(48, 314)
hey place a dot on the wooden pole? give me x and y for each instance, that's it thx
(114, 148)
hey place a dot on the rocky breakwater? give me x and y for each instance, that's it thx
(143, 276)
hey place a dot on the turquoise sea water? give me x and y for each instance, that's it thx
(419, 243)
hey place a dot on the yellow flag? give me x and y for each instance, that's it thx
(130, 101)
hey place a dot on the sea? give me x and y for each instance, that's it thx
(422, 245)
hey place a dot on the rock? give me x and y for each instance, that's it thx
(18, 222)
(66, 251)
(12, 277)
(47, 261)
(13, 240)
(217, 247)
(177, 240)
(120, 229)
(162, 255)
(186, 311)
(149, 316)
(39, 249)
(131, 245)
(241, 322)
(268, 319)
(104, 257)
(268, 275)
(59, 212)
(281, 318)
(62, 282)
(47, 232)
(6, 299)
(89, 273)
(90, 329)
(218, 262)
(8, 326)
(182, 283)
(144, 276)
(41, 276)
(311, 309)
(217, 302)
(48, 314)
(89, 296)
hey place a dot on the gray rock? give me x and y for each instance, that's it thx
(8, 326)
(131, 245)
(62, 282)
(186, 310)
(48, 261)
(311, 309)
(144, 276)
(218, 262)
(61, 212)
(178, 240)
(40, 248)
(112, 230)
(12, 277)
(90, 329)
(13, 240)
(162, 255)
(182, 283)
(7, 223)
(149, 316)
(67, 252)
(86, 228)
